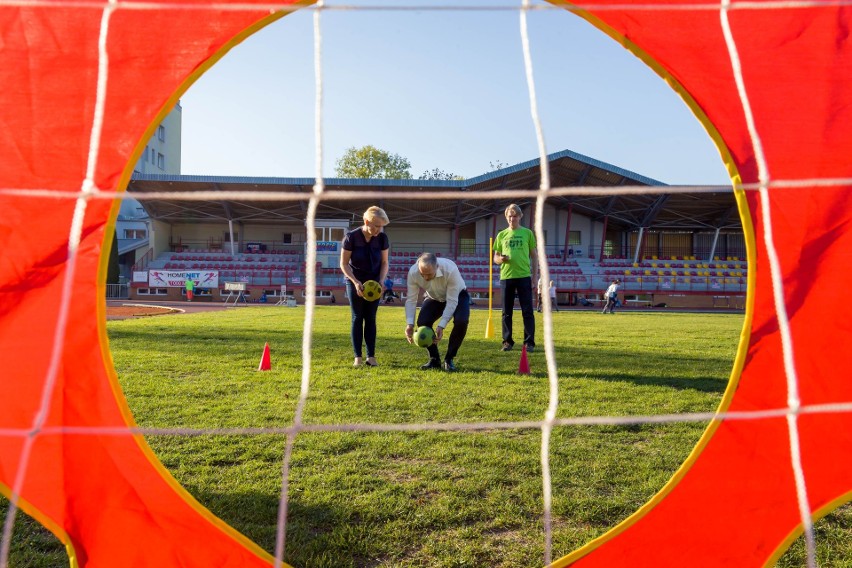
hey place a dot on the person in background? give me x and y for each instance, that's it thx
(364, 256)
(611, 296)
(513, 249)
(446, 298)
(389, 293)
(538, 296)
(189, 284)
(552, 291)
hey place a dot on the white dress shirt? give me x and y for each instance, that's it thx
(444, 287)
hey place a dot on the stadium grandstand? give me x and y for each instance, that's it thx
(675, 249)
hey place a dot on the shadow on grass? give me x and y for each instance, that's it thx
(701, 384)
(325, 536)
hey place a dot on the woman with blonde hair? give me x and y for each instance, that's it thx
(364, 256)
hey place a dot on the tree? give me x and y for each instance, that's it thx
(368, 162)
(438, 174)
(113, 270)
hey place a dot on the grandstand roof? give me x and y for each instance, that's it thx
(406, 204)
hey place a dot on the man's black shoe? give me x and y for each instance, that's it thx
(432, 364)
(506, 346)
(530, 348)
(449, 365)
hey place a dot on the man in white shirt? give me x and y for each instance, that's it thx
(446, 298)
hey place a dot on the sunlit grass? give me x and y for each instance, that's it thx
(423, 498)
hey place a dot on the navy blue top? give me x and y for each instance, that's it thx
(366, 259)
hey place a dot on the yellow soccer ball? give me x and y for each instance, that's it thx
(372, 290)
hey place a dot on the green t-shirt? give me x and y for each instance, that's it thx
(518, 244)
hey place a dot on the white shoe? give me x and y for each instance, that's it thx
(358, 362)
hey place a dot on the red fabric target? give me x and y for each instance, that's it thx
(107, 497)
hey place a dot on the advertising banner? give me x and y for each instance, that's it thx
(327, 246)
(177, 278)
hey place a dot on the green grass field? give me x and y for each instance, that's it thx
(423, 499)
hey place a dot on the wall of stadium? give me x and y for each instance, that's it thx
(554, 224)
(471, 241)
(420, 238)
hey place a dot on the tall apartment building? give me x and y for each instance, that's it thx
(160, 156)
(162, 153)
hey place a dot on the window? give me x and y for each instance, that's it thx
(161, 133)
(153, 292)
(161, 161)
(198, 292)
(574, 238)
(467, 246)
(225, 294)
(330, 233)
(320, 294)
(135, 233)
(287, 238)
(152, 155)
(146, 153)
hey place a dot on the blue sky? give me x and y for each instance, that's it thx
(445, 89)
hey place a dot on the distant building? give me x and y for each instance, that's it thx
(161, 155)
(685, 250)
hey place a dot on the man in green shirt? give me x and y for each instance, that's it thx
(513, 249)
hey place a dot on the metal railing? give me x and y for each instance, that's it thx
(117, 291)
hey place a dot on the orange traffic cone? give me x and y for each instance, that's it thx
(524, 366)
(265, 362)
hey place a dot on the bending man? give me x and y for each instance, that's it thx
(446, 298)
